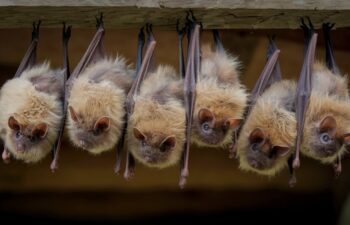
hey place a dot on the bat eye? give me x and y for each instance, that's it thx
(205, 126)
(18, 135)
(255, 147)
(143, 143)
(325, 138)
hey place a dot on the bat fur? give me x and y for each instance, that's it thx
(99, 91)
(158, 113)
(34, 97)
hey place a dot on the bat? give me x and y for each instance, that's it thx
(220, 98)
(267, 137)
(327, 124)
(96, 96)
(156, 126)
(31, 104)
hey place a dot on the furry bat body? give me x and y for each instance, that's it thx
(220, 99)
(30, 119)
(156, 128)
(266, 139)
(96, 105)
(327, 124)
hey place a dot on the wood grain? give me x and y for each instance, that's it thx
(224, 14)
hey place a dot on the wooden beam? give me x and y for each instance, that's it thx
(224, 14)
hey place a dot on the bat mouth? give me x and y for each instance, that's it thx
(256, 164)
(151, 160)
(327, 152)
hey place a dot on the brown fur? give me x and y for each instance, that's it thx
(272, 114)
(99, 91)
(30, 105)
(219, 90)
(158, 118)
(329, 97)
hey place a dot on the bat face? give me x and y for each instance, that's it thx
(96, 105)
(327, 124)
(154, 148)
(212, 129)
(267, 137)
(26, 137)
(261, 154)
(220, 100)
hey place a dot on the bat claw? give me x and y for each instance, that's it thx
(337, 170)
(182, 182)
(296, 163)
(117, 169)
(54, 166)
(233, 151)
(292, 181)
(129, 174)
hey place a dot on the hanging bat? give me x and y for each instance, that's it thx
(97, 91)
(327, 124)
(220, 98)
(31, 106)
(266, 139)
(156, 127)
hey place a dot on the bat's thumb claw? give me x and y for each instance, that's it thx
(292, 181)
(129, 174)
(117, 169)
(183, 181)
(232, 151)
(296, 163)
(337, 170)
(54, 166)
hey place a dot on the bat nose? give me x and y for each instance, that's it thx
(255, 164)
(83, 144)
(20, 148)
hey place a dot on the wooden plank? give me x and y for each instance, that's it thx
(225, 14)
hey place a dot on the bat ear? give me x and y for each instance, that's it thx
(103, 124)
(328, 125)
(281, 151)
(346, 139)
(232, 123)
(73, 114)
(257, 136)
(14, 124)
(138, 134)
(168, 143)
(205, 115)
(40, 130)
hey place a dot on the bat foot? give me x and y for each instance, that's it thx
(292, 181)
(6, 156)
(296, 163)
(54, 166)
(232, 151)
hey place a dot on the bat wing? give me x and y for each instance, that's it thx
(218, 41)
(94, 52)
(330, 60)
(30, 56)
(135, 88)
(303, 93)
(66, 33)
(192, 71)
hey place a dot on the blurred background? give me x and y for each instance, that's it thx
(86, 190)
